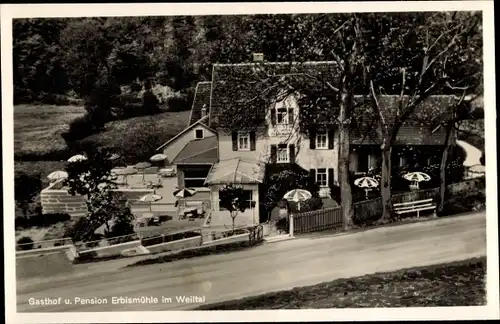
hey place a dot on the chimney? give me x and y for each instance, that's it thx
(258, 57)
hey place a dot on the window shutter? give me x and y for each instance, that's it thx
(312, 139)
(290, 116)
(273, 116)
(274, 153)
(252, 141)
(235, 141)
(330, 177)
(331, 133)
(313, 175)
(291, 151)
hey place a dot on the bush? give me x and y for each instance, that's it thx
(311, 204)
(26, 189)
(79, 128)
(81, 230)
(27, 243)
(43, 220)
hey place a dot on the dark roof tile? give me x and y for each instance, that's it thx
(201, 100)
(199, 151)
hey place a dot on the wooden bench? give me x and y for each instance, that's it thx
(414, 206)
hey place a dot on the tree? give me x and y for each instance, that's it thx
(92, 178)
(232, 198)
(426, 52)
(26, 188)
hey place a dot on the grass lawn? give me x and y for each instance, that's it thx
(44, 168)
(134, 136)
(454, 284)
(38, 128)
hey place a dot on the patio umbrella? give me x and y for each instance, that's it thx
(366, 183)
(297, 195)
(57, 175)
(417, 177)
(76, 158)
(150, 198)
(158, 157)
(142, 166)
(125, 172)
(185, 192)
(114, 156)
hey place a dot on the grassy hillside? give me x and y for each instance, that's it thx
(38, 128)
(137, 138)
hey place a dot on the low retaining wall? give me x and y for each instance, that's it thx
(175, 245)
(42, 251)
(107, 251)
(227, 240)
(54, 199)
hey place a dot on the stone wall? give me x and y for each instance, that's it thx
(57, 200)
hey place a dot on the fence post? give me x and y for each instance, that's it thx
(291, 226)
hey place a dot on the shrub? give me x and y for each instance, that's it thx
(81, 230)
(27, 243)
(26, 188)
(43, 220)
(79, 128)
(311, 204)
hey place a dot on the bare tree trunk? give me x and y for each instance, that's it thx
(344, 153)
(442, 168)
(385, 185)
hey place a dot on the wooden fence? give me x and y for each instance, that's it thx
(317, 220)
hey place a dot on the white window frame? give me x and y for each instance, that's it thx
(285, 116)
(241, 136)
(287, 150)
(202, 133)
(326, 177)
(321, 134)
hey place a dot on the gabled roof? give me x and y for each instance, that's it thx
(201, 100)
(236, 171)
(200, 122)
(198, 152)
(234, 83)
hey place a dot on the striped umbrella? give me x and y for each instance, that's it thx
(367, 183)
(185, 192)
(297, 195)
(158, 157)
(76, 158)
(150, 198)
(57, 175)
(417, 177)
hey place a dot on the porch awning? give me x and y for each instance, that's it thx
(236, 171)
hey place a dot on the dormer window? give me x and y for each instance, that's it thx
(198, 133)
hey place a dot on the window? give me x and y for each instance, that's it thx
(281, 116)
(198, 134)
(243, 141)
(195, 176)
(322, 177)
(282, 154)
(363, 162)
(246, 196)
(402, 161)
(322, 140)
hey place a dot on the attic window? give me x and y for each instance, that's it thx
(198, 134)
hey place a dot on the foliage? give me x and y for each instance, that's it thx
(42, 220)
(233, 199)
(82, 230)
(26, 188)
(281, 178)
(27, 241)
(123, 218)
